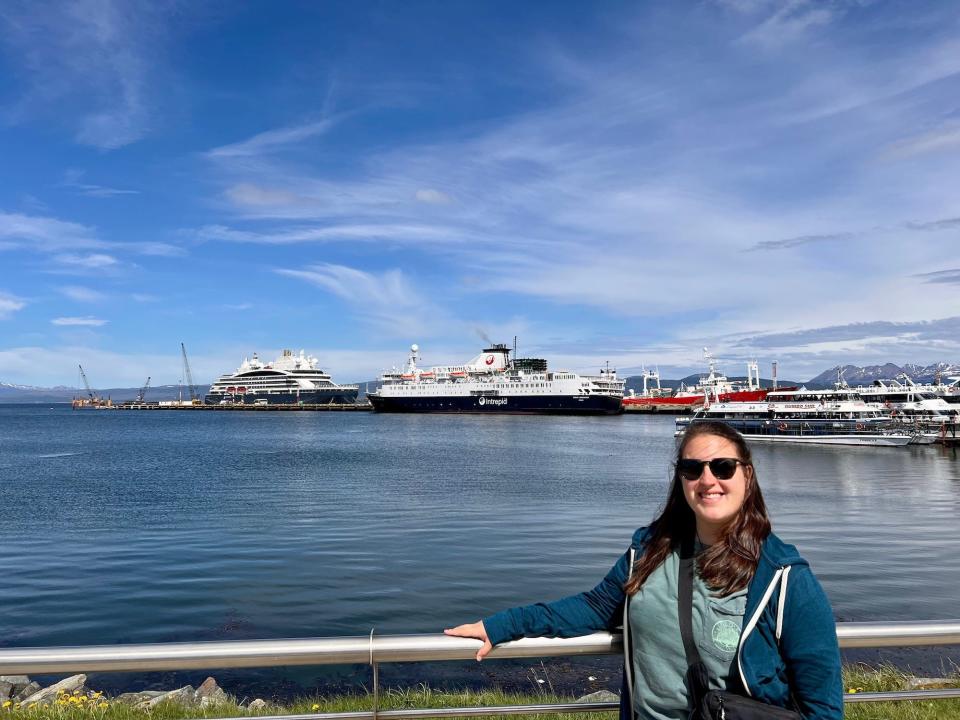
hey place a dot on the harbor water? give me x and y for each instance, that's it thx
(122, 527)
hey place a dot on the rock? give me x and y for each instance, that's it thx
(599, 696)
(931, 683)
(26, 691)
(209, 693)
(6, 690)
(19, 682)
(132, 698)
(49, 694)
(258, 704)
(184, 696)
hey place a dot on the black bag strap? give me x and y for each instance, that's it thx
(685, 601)
(697, 678)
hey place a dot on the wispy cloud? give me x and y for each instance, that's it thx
(99, 55)
(46, 233)
(250, 195)
(789, 22)
(155, 249)
(945, 138)
(333, 233)
(432, 197)
(273, 139)
(387, 300)
(948, 277)
(945, 224)
(10, 304)
(792, 242)
(73, 180)
(803, 240)
(92, 261)
(82, 294)
(86, 321)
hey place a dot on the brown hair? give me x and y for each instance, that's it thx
(729, 564)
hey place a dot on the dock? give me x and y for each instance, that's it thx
(667, 408)
(309, 407)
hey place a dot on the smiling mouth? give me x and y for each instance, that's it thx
(710, 497)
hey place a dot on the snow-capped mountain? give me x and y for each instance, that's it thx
(855, 375)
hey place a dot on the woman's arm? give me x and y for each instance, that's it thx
(809, 647)
(596, 609)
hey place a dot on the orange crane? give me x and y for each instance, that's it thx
(92, 399)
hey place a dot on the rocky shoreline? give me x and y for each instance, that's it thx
(19, 691)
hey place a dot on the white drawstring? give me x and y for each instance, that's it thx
(782, 601)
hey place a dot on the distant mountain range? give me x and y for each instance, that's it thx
(31, 394)
(853, 374)
(866, 375)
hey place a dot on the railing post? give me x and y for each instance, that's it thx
(376, 678)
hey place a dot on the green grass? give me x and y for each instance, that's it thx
(886, 678)
(856, 679)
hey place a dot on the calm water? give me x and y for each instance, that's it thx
(161, 526)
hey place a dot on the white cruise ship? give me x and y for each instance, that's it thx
(288, 380)
(493, 383)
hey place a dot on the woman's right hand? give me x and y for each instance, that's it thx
(473, 630)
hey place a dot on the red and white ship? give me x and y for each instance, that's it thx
(713, 387)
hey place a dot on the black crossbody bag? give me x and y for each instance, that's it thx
(713, 704)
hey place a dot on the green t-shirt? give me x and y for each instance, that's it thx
(659, 665)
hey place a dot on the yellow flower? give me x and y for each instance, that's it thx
(103, 704)
(7, 704)
(315, 707)
(97, 694)
(76, 692)
(83, 698)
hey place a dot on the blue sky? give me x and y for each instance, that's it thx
(608, 181)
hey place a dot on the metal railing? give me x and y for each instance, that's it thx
(376, 649)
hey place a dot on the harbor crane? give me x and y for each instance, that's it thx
(86, 384)
(194, 399)
(143, 390)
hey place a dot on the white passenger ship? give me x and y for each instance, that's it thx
(492, 383)
(908, 401)
(831, 417)
(290, 379)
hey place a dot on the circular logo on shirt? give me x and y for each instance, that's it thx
(725, 635)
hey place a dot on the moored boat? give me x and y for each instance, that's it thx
(824, 417)
(493, 383)
(288, 380)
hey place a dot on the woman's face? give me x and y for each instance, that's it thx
(714, 502)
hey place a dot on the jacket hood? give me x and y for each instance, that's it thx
(779, 554)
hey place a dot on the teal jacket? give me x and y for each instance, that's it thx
(788, 643)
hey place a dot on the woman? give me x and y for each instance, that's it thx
(761, 621)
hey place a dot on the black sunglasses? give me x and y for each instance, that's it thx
(721, 468)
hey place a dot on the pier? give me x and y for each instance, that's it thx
(311, 407)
